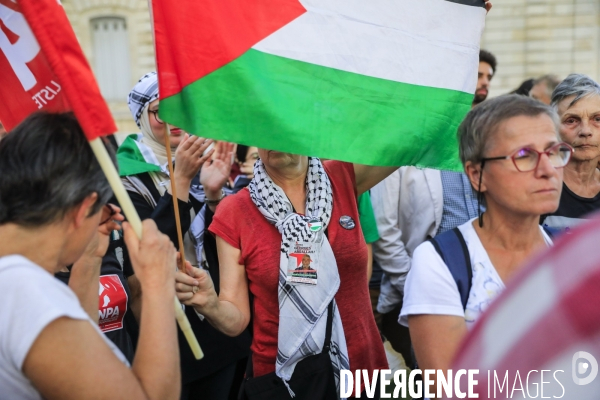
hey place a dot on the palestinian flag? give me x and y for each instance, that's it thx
(375, 82)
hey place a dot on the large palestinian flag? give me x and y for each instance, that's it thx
(379, 82)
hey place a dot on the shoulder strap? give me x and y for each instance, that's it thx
(451, 246)
(552, 232)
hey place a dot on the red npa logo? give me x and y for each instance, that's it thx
(112, 303)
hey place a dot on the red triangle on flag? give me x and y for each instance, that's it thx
(194, 38)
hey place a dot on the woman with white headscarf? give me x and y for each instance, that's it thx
(143, 165)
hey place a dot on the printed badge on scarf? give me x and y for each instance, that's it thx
(304, 264)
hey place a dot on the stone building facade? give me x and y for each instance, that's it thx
(116, 37)
(530, 38)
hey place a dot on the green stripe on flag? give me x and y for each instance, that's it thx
(130, 159)
(281, 104)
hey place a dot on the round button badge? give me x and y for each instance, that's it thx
(347, 222)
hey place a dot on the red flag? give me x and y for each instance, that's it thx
(548, 319)
(42, 67)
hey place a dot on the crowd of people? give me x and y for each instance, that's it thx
(295, 267)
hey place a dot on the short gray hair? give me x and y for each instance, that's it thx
(47, 167)
(482, 121)
(578, 85)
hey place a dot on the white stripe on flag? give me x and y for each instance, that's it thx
(534, 304)
(423, 42)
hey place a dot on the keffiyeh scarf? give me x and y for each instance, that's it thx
(303, 308)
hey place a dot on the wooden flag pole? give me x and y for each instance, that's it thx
(136, 223)
(175, 199)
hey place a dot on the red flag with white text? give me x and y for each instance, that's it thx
(42, 67)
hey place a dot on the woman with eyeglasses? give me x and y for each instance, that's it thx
(202, 168)
(514, 158)
(577, 101)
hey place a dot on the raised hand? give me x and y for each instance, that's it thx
(189, 156)
(215, 173)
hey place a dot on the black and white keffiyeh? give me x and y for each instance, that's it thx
(303, 308)
(144, 92)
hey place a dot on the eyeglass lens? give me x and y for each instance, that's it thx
(160, 121)
(527, 159)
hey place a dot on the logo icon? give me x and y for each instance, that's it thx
(112, 303)
(584, 363)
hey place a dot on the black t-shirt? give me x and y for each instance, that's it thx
(572, 210)
(115, 316)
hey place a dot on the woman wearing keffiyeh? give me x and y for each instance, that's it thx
(200, 175)
(295, 204)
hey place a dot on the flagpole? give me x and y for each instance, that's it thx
(175, 199)
(136, 223)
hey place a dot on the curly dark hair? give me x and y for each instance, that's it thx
(489, 58)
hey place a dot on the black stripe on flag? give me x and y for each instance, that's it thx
(474, 3)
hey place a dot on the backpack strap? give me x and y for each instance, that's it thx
(452, 248)
(552, 232)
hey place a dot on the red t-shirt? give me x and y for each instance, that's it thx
(239, 222)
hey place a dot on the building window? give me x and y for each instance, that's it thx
(111, 57)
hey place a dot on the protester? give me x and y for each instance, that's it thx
(543, 87)
(485, 73)
(294, 204)
(53, 211)
(577, 100)
(553, 303)
(143, 161)
(514, 139)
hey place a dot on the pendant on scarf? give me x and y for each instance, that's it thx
(347, 222)
(315, 225)
(303, 264)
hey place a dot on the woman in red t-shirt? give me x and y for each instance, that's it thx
(294, 206)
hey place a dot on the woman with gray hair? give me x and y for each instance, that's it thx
(511, 152)
(53, 211)
(577, 100)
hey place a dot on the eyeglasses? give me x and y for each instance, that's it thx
(108, 209)
(155, 112)
(527, 159)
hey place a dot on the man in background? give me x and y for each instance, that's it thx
(485, 73)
